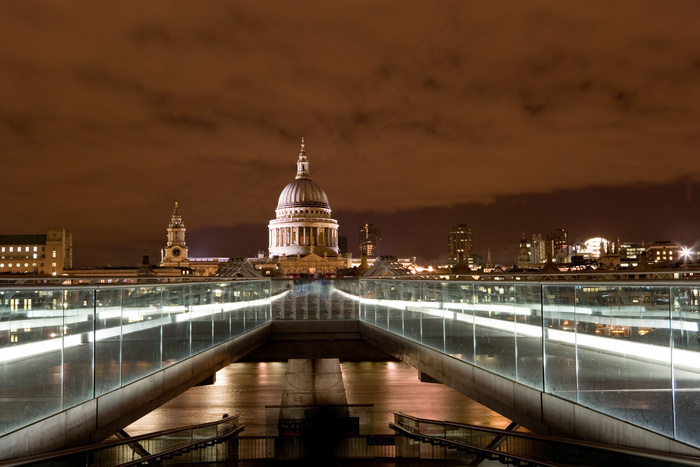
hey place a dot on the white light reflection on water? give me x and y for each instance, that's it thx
(246, 388)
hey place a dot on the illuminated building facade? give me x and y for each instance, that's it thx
(538, 249)
(303, 238)
(592, 249)
(460, 243)
(663, 252)
(303, 223)
(559, 246)
(48, 253)
(631, 253)
(370, 241)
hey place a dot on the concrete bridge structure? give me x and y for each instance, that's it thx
(608, 361)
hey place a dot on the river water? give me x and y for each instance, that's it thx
(245, 389)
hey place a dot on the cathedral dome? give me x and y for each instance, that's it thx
(303, 193)
(303, 223)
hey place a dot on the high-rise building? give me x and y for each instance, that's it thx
(559, 246)
(48, 253)
(460, 244)
(370, 241)
(538, 249)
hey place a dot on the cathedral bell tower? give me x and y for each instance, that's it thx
(175, 252)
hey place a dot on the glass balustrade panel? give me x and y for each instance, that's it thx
(141, 323)
(559, 318)
(527, 314)
(685, 313)
(108, 340)
(78, 346)
(494, 329)
(623, 339)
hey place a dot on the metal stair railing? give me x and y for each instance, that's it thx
(518, 448)
(148, 449)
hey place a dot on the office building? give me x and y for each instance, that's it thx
(370, 241)
(48, 253)
(460, 244)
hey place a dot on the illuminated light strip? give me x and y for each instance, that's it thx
(516, 310)
(278, 296)
(199, 311)
(654, 353)
(41, 323)
(684, 358)
(508, 326)
(51, 345)
(16, 352)
(125, 329)
(109, 312)
(347, 295)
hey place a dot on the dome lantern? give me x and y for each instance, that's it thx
(302, 163)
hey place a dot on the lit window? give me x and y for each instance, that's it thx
(2, 265)
(26, 248)
(34, 255)
(18, 265)
(26, 265)
(13, 338)
(34, 248)
(53, 253)
(12, 249)
(53, 265)
(3, 249)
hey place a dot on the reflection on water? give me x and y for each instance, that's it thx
(246, 388)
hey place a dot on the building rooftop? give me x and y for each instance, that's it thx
(23, 239)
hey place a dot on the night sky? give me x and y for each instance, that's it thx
(508, 116)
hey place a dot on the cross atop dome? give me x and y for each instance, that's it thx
(302, 163)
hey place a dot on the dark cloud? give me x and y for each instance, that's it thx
(121, 109)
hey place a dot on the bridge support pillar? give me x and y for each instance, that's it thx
(425, 378)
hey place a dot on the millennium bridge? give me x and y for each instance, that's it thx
(613, 361)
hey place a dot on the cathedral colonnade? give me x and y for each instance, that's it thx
(304, 236)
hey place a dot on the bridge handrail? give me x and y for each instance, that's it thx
(504, 458)
(665, 459)
(186, 448)
(229, 430)
(98, 283)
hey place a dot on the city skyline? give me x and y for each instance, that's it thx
(538, 117)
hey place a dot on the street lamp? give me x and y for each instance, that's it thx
(686, 253)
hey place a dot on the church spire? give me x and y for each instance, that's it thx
(176, 219)
(175, 250)
(302, 163)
